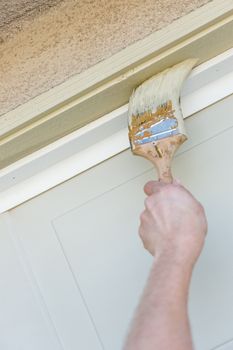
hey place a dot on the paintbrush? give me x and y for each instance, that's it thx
(156, 126)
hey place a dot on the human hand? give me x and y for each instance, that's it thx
(173, 224)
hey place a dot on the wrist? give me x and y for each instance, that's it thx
(174, 263)
(176, 256)
(173, 277)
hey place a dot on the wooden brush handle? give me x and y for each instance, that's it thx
(161, 154)
(164, 170)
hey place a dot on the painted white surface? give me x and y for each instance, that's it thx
(24, 322)
(64, 304)
(80, 242)
(104, 138)
(226, 346)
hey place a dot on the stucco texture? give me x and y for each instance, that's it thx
(13, 10)
(47, 43)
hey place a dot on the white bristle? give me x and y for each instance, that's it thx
(159, 89)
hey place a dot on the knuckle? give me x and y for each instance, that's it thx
(149, 202)
(169, 188)
(172, 191)
(142, 216)
(141, 233)
(142, 237)
(165, 190)
(200, 209)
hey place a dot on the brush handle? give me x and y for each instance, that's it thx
(161, 154)
(164, 170)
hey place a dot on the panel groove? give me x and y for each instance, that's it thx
(205, 141)
(220, 346)
(142, 173)
(78, 287)
(106, 271)
(32, 279)
(100, 195)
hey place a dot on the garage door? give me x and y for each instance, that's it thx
(73, 268)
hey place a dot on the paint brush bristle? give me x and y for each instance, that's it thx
(159, 97)
(156, 126)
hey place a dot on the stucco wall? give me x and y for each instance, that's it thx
(40, 49)
(13, 11)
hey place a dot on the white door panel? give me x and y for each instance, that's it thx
(93, 238)
(99, 240)
(225, 346)
(66, 308)
(80, 240)
(24, 323)
(208, 173)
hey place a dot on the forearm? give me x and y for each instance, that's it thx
(161, 320)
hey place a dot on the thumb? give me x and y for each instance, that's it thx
(152, 187)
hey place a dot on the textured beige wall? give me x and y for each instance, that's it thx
(12, 11)
(42, 50)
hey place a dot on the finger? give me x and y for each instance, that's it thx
(153, 186)
(177, 182)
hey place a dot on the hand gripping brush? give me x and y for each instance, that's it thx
(156, 126)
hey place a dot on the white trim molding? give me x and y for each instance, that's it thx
(85, 148)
